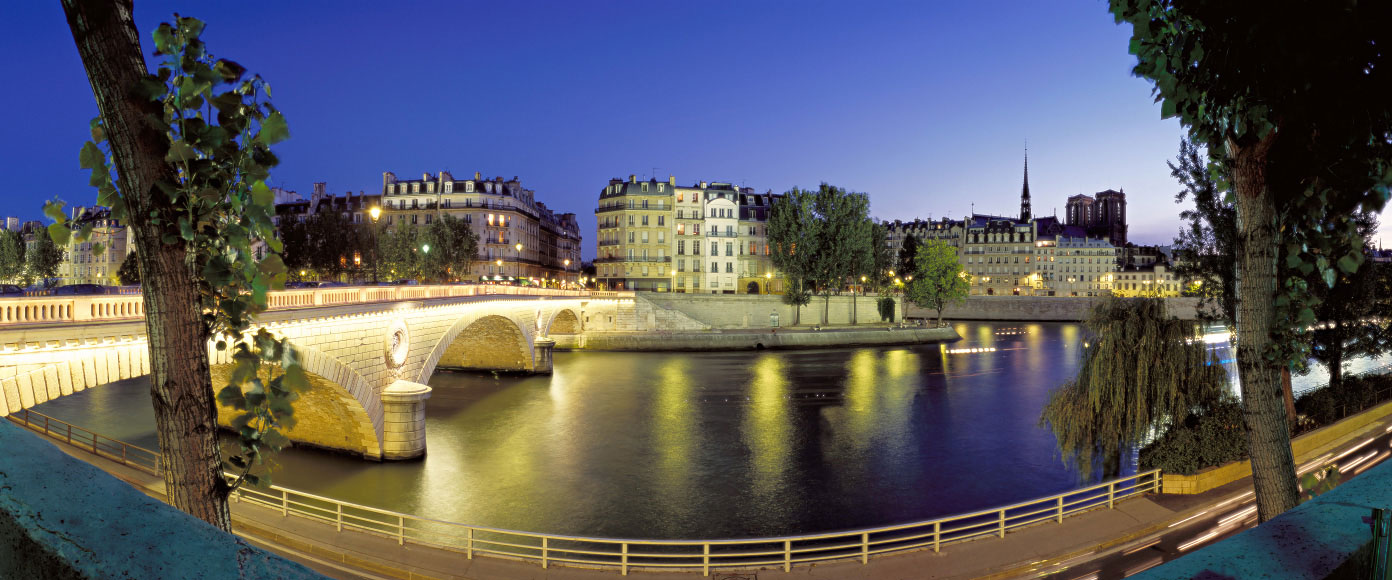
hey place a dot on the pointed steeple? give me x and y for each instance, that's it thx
(1024, 193)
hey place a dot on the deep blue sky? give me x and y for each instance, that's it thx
(925, 105)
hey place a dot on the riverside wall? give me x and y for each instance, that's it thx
(755, 310)
(1037, 308)
(717, 340)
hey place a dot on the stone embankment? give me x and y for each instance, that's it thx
(753, 340)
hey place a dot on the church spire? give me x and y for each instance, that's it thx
(1024, 193)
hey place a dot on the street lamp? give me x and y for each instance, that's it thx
(768, 279)
(519, 260)
(565, 276)
(375, 213)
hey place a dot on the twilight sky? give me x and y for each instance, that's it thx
(926, 106)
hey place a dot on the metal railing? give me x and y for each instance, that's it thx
(92, 442)
(628, 554)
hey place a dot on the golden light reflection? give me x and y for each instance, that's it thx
(767, 429)
(674, 427)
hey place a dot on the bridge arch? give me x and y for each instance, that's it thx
(564, 321)
(488, 342)
(339, 411)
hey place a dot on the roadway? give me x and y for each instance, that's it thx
(1216, 515)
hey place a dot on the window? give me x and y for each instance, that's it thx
(427, 219)
(681, 265)
(645, 218)
(630, 221)
(630, 237)
(729, 267)
(660, 187)
(753, 248)
(645, 202)
(730, 231)
(729, 248)
(662, 220)
(413, 219)
(645, 237)
(681, 196)
(645, 189)
(490, 219)
(414, 202)
(661, 237)
(681, 229)
(715, 249)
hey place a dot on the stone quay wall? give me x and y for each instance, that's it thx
(717, 340)
(754, 310)
(1037, 308)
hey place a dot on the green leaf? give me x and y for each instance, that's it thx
(1349, 263)
(273, 129)
(179, 151)
(229, 71)
(164, 39)
(185, 229)
(91, 157)
(261, 195)
(59, 233)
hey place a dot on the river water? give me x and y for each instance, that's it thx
(708, 445)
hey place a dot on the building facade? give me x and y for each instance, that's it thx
(85, 262)
(660, 237)
(519, 237)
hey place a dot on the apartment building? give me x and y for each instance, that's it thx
(518, 235)
(710, 237)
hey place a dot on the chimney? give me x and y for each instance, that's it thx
(704, 184)
(632, 178)
(320, 187)
(478, 175)
(672, 180)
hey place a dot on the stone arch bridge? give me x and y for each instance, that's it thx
(368, 362)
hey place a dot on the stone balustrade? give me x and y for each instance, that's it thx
(68, 309)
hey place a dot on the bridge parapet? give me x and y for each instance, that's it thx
(67, 309)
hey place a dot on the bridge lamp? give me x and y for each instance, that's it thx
(425, 248)
(375, 212)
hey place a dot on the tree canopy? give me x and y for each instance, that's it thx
(11, 256)
(42, 259)
(1114, 403)
(1304, 128)
(792, 237)
(937, 278)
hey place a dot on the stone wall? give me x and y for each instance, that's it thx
(62, 518)
(754, 310)
(326, 416)
(492, 342)
(1036, 308)
(716, 340)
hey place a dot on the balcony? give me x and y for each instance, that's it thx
(722, 234)
(664, 259)
(610, 208)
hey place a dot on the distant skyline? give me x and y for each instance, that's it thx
(926, 106)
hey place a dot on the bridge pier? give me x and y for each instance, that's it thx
(542, 349)
(403, 425)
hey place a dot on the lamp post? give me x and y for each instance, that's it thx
(519, 260)
(375, 213)
(565, 274)
(500, 268)
(768, 279)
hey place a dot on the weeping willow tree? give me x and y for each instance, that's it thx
(1141, 370)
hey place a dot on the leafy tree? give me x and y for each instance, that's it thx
(1114, 403)
(129, 274)
(41, 261)
(1303, 127)
(907, 255)
(842, 241)
(296, 249)
(331, 243)
(11, 256)
(400, 250)
(938, 278)
(1207, 244)
(453, 245)
(191, 150)
(1353, 313)
(792, 235)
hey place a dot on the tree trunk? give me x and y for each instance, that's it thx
(940, 309)
(1268, 435)
(181, 387)
(1336, 363)
(1288, 396)
(855, 304)
(826, 309)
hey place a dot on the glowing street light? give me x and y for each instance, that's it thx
(519, 259)
(375, 213)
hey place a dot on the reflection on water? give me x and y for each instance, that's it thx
(703, 445)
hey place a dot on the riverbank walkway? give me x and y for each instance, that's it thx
(1026, 552)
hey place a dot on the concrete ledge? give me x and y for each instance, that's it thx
(1304, 447)
(62, 518)
(1311, 541)
(689, 341)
